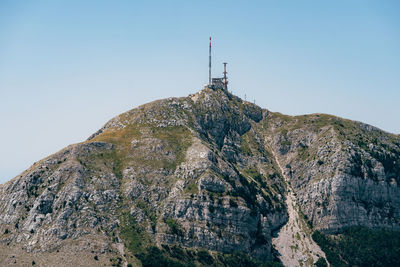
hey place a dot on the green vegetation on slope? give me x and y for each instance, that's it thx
(134, 235)
(360, 246)
(174, 140)
(174, 255)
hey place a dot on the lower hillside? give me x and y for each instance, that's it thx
(177, 256)
(360, 246)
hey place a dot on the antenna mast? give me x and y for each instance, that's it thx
(209, 64)
(225, 81)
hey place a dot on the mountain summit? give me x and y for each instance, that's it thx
(204, 180)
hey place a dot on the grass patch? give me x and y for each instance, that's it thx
(303, 153)
(176, 140)
(245, 147)
(133, 234)
(192, 188)
(255, 175)
(174, 226)
(149, 212)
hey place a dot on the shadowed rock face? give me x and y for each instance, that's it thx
(198, 172)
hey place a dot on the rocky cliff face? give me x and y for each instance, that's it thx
(200, 172)
(344, 173)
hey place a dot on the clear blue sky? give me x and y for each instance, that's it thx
(66, 67)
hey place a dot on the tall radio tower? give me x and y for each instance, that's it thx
(209, 64)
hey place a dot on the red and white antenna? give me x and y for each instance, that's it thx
(225, 80)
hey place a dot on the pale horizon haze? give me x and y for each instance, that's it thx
(67, 67)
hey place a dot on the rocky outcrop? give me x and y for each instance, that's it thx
(218, 208)
(58, 198)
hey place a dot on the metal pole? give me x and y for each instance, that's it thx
(209, 64)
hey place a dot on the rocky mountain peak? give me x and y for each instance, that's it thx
(203, 179)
